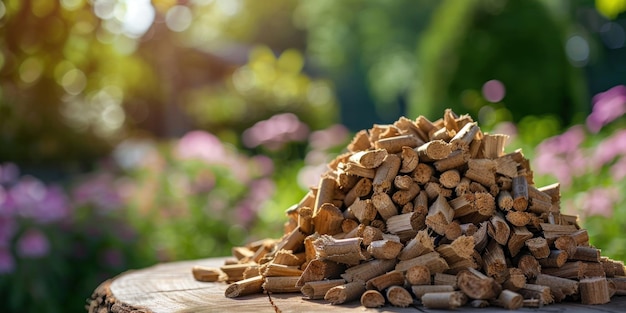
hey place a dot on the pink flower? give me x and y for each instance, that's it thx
(200, 145)
(264, 164)
(7, 263)
(33, 244)
(553, 165)
(275, 132)
(600, 201)
(494, 91)
(567, 142)
(561, 156)
(261, 190)
(610, 148)
(245, 212)
(618, 170)
(607, 106)
(330, 137)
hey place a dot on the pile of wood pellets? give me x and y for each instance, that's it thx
(427, 213)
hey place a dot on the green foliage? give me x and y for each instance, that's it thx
(93, 81)
(53, 65)
(516, 42)
(367, 48)
(266, 85)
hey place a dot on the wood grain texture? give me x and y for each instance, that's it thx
(170, 287)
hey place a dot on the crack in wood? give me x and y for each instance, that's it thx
(276, 309)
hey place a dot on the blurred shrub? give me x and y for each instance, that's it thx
(188, 198)
(204, 196)
(367, 48)
(266, 85)
(55, 246)
(590, 163)
(517, 43)
(62, 84)
(194, 197)
(77, 77)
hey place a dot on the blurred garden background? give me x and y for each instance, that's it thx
(134, 131)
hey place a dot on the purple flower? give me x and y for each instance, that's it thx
(7, 263)
(260, 191)
(329, 137)
(27, 195)
(607, 106)
(600, 201)
(33, 244)
(7, 204)
(9, 173)
(99, 190)
(200, 145)
(8, 226)
(245, 212)
(54, 206)
(275, 132)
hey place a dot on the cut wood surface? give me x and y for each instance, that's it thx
(170, 287)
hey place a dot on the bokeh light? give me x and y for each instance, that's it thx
(31, 69)
(138, 17)
(613, 35)
(577, 49)
(178, 18)
(74, 81)
(493, 90)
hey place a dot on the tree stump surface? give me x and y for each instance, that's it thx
(170, 287)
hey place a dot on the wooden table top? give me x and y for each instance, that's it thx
(170, 287)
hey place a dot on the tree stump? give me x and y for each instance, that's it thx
(170, 287)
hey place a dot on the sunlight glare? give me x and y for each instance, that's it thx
(138, 17)
(178, 18)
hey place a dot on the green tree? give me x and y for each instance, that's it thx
(368, 49)
(519, 43)
(61, 86)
